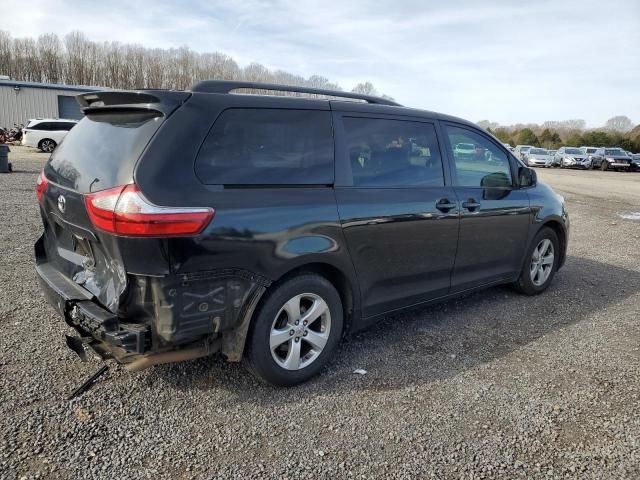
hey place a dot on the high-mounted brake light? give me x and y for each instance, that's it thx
(124, 211)
(41, 185)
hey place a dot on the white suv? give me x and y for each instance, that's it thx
(46, 133)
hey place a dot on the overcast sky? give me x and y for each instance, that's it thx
(506, 61)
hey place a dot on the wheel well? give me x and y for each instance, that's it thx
(338, 279)
(562, 238)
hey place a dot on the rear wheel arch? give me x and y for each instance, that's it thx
(339, 280)
(234, 346)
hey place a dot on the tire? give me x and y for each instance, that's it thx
(279, 311)
(533, 284)
(47, 145)
(604, 166)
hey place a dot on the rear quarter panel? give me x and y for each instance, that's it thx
(263, 231)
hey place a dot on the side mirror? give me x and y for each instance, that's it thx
(527, 177)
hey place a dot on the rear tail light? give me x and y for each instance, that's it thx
(41, 185)
(124, 211)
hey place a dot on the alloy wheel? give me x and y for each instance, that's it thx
(541, 262)
(300, 331)
(47, 146)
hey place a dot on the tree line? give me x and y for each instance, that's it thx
(618, 131)
(76, 60)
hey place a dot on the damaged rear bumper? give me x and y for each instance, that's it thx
(162, 319)
(94, 324)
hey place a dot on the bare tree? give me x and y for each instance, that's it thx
(6, 54)
(365, 88)
(619, 123)
(51, 58)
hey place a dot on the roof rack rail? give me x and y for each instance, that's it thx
(223, 86)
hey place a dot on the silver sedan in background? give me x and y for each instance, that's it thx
(568, 157)
(538, 157)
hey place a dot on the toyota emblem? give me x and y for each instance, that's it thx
(62, 203)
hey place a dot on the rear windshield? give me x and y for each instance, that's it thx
(101, 150)
(268, 147)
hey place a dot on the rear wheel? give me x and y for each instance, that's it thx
(295, 331)
(47, 145)
(541, 264)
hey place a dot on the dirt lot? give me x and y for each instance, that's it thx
(492, 385)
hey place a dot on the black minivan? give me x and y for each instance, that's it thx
(265, 227)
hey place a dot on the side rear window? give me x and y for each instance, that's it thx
(268, 147)
(392, 153)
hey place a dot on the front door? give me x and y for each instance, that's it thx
(399, 218)
(495, 214)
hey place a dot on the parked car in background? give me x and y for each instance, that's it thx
(635, 162)
(538, 157)
(261, 236)
(465, 149)
(521, 150)
(611, 159)
(589, 152)
(46, 133)
(572, 157)
(508, 145)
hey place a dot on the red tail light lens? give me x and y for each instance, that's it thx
(41, 185)
(124, 211)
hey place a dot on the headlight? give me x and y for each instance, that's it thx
(570, 158)
(611, 160)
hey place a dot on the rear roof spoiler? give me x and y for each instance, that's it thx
(163, 101)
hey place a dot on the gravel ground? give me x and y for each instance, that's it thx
(494, 385)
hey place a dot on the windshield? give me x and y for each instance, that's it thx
(591, 150)
(538, 151)
(573, 151)
(614, 151)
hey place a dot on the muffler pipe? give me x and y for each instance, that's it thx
(172, 357)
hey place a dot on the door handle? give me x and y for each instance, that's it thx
(471, 205)
(444, 205)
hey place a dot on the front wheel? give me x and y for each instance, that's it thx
(295, 331)
(541, 263)
(604, 166)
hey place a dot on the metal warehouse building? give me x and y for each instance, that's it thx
(20, 101)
